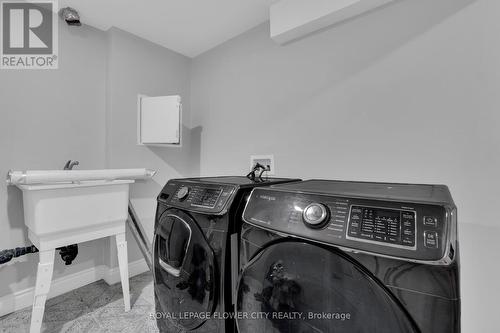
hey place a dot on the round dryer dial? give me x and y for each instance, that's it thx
(183, 192)
(315, 215)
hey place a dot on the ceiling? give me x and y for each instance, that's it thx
(190, 27)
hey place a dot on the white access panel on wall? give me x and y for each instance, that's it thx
(159, 120)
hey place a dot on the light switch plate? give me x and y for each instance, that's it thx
(266, 160)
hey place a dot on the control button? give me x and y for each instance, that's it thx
(365, 235)
(408, 216)
(431, 239)
(408, 240)
(353, 232)
(315, 215)
(408, 232)
(392, 239)
(354, 224)
(182, 193)
(407, 224)
(430, 221)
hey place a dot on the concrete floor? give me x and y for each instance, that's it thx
(96, 307)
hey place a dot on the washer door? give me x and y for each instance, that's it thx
(184, 271)
(295, 286)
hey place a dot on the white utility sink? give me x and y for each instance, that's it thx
(70, 207)
(62, 207)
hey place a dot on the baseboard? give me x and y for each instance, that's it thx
(112, 275)
(24, 298)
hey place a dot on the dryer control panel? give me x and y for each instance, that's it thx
(413, 231)
(393, 227)
(203, 198)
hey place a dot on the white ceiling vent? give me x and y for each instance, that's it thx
(293, 19)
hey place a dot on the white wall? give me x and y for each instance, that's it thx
(405, 94)
(86, 110)
(46, 118)
(137, 66)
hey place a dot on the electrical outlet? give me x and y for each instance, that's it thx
(265, 160)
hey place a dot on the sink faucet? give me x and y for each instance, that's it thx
(70, 164)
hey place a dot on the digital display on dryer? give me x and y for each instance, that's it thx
(388, 226)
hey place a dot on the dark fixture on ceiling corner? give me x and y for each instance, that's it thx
(71, 16)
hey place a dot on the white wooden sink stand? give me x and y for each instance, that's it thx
(47, 246)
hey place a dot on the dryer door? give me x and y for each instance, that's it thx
(294, 286)
(184, 271)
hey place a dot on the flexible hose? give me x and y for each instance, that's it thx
(7, 255)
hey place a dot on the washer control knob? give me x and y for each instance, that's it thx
(183, 192)
(315, 215)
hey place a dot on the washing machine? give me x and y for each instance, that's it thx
(197, 220)
(334, 256)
